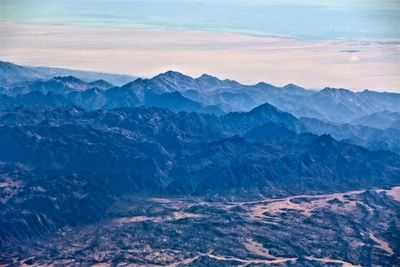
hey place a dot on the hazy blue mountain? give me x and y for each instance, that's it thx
(271, 131)
(117, 79)
(172, 81)
(336, 105)
(241, 122)
(120, 97)
(61, 85)
(227, 94)
(101, 84)
(101, 94)
(175, 101)
(372, 138)
(11, 73)
(33, 98)
(380, 120)
(341, 105)
(93, 98)
(158, 92)
(164, 91)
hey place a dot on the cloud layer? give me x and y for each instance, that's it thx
(356, 65)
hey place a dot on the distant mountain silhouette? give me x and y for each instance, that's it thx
(11, 73)
(380, 120)
(372, 138)
(208, 94)
(336, 105)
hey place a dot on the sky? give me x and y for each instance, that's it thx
(353, 44)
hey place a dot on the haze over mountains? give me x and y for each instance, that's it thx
(367, 118)
(12, 73)
(336, 105)
(77, 154)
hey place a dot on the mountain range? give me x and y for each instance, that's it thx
(367, 118)
(12, 73)
(132, 150)
(73, 149)
(335, 105)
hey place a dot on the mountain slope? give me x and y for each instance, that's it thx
(372, 138)
(11, 73)
(59, 161)
(101, 95)
(241, 122)
(379, 120)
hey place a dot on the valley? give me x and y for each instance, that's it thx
(355, 228)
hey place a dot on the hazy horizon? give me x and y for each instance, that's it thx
(192, 76)
(315, 44)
